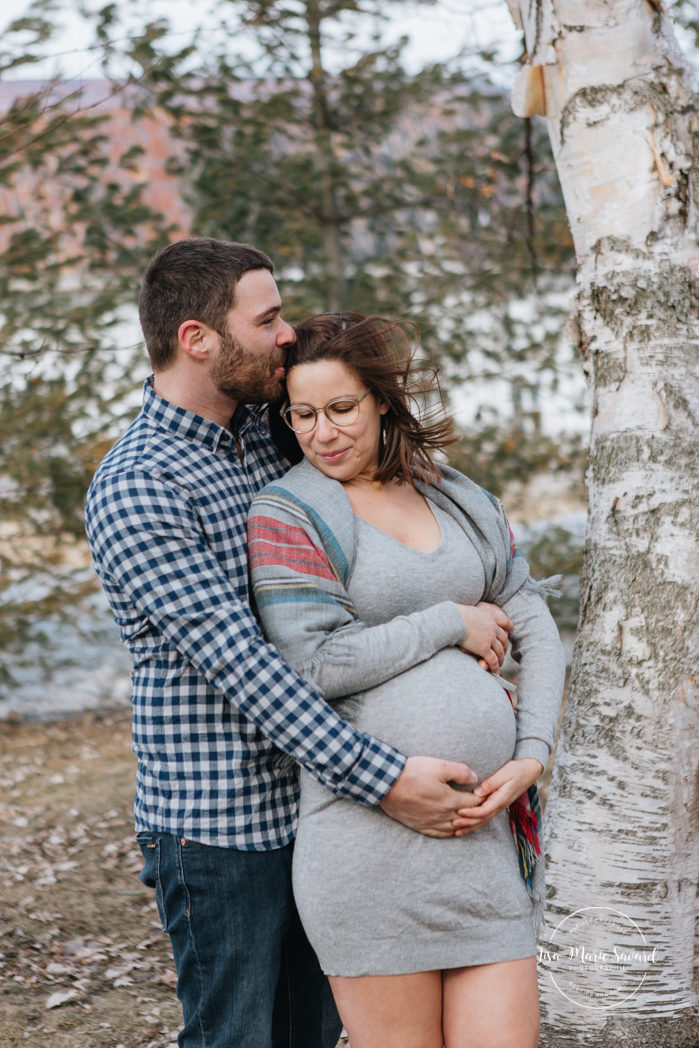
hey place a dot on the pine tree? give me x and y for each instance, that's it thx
(372, 188)
(72, 247)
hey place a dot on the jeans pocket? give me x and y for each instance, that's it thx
(150, 846)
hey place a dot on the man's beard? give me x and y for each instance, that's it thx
(243, 377)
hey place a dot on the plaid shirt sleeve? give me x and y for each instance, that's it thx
(146, 539)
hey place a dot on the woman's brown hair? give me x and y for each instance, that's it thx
(383, 355)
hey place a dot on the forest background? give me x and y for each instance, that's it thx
(381, 173)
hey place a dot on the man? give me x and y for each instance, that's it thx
(166, 521)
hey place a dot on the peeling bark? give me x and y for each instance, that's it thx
(622, 817)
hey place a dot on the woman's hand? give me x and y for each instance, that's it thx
(498, 792)
(487, 627)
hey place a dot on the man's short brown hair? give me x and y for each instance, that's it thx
(191, 279)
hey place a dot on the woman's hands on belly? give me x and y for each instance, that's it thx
(499, 791)
(487, 628)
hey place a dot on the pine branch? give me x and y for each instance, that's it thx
(117, 89)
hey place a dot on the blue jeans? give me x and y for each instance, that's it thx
(247, 975)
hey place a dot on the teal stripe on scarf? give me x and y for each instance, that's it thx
(271, 593)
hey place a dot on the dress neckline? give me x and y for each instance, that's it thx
(421, 553)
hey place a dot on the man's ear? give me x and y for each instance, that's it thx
(195, 339)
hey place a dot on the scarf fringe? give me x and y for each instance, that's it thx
(544, 587)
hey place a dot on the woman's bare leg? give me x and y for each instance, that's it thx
(391, 1011)
(491, 1005)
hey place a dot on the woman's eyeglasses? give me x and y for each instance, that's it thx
(302, 418)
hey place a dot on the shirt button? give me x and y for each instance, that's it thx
(182, 841)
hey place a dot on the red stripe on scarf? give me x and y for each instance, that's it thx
(522, 819)
(273, 544)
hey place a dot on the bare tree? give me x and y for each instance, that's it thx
(622, 814)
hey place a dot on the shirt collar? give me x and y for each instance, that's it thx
(188, 426)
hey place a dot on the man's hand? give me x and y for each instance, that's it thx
(421, 798)
(496, 793)
(487, 628)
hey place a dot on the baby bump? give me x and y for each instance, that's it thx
(445, 707)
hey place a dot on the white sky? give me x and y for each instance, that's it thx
(436, 32)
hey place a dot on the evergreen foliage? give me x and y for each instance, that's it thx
(375, 188)
(371, 187)
(379, 190)
(71, 251)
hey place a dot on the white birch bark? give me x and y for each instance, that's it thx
(623, 809)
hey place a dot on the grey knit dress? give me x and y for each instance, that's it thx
(375, 897)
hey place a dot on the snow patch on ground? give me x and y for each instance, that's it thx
(83, 666)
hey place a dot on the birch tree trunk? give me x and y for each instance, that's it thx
(622, 839)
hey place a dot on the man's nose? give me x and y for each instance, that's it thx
(286, 335)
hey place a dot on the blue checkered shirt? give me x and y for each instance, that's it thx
(166, 521)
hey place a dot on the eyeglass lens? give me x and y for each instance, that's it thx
(302, 419)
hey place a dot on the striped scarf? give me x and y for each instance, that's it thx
(525, 820)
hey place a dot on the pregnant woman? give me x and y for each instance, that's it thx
(359, 558)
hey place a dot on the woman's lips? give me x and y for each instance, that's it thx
(333, 456)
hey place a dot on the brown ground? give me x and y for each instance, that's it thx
(74, 918)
